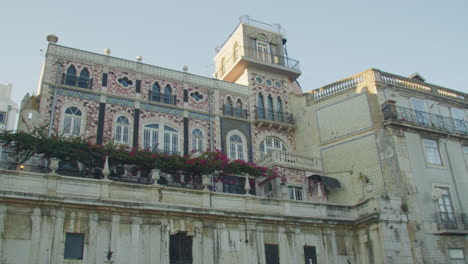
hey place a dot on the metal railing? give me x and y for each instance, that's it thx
(77, 81)
(424, 119)
(447, 220)
(258, 55)
(162, 98)
(235, 111)
(262, 113)
(290, 160)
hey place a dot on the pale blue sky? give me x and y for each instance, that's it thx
(331, 39)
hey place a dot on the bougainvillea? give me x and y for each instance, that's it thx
(92, 155)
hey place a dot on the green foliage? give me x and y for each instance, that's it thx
(77, 149)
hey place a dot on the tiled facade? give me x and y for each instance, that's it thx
(382, 211)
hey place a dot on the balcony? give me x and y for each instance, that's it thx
(451, 222)
(424, 119)
(234, 65)
(235, 111)
(77, 81)
(291, 160)
(271, 117)
(162, 98)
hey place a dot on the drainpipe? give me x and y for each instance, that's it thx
(454, 180)
(54, 101)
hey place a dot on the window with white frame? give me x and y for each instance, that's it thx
(431, 148)
(197, 140)
(72, 121)
(268, 189)
(456, 256)
(122, 126)
(420, 109)
(458, 116)
(263, 49)
(295, 193)
(271, 143)
(236, 147)
(445, 207)
(161, 138)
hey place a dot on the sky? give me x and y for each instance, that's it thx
(331, 39)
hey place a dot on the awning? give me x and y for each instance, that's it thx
(328, 181)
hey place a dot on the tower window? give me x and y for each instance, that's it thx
(72, 121)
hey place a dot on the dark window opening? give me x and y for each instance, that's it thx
(104, 79)
(310, 255)
(74, 243)
(271, 254)
(180, 249)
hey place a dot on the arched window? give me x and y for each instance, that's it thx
(228, 106)
(72, 121)
(83, 81)
(235, 51)
(122, 126)
(161, 138)
(260, 106)
(155, 93)
(168, 98)
(238, 111)
(263, 48)
(197, 140)
(70, 76)
(270, 109)
(236, 147)
(279, 108)
(271, 143)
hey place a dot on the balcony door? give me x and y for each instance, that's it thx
(447, 215)
(263, 51)
(420, 109)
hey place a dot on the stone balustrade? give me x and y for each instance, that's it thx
(374, 75)
(53, 187)
(291, 160)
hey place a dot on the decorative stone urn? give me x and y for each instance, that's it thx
(155, 175)
(247, 185)
(206, 181)
(53, 165)
(106, 170)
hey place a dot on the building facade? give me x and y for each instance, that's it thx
(412, 136)
(356, 191)
(8, 108)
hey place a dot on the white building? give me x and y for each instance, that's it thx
(8, 108)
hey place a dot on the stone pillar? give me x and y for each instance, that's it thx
(135, 253)
(35, 236)
(58, 244)
(92, 239)
(250, 242)
(197, 246)
(3, 212)
(114, 234)
(155, 241)
(165, 236)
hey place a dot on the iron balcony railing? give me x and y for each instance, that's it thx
(271, 57)
(162, 98)
(235, 111)
(424, 119)
(259, 55)
(447, 220)
(77, 81)
(262, 113)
